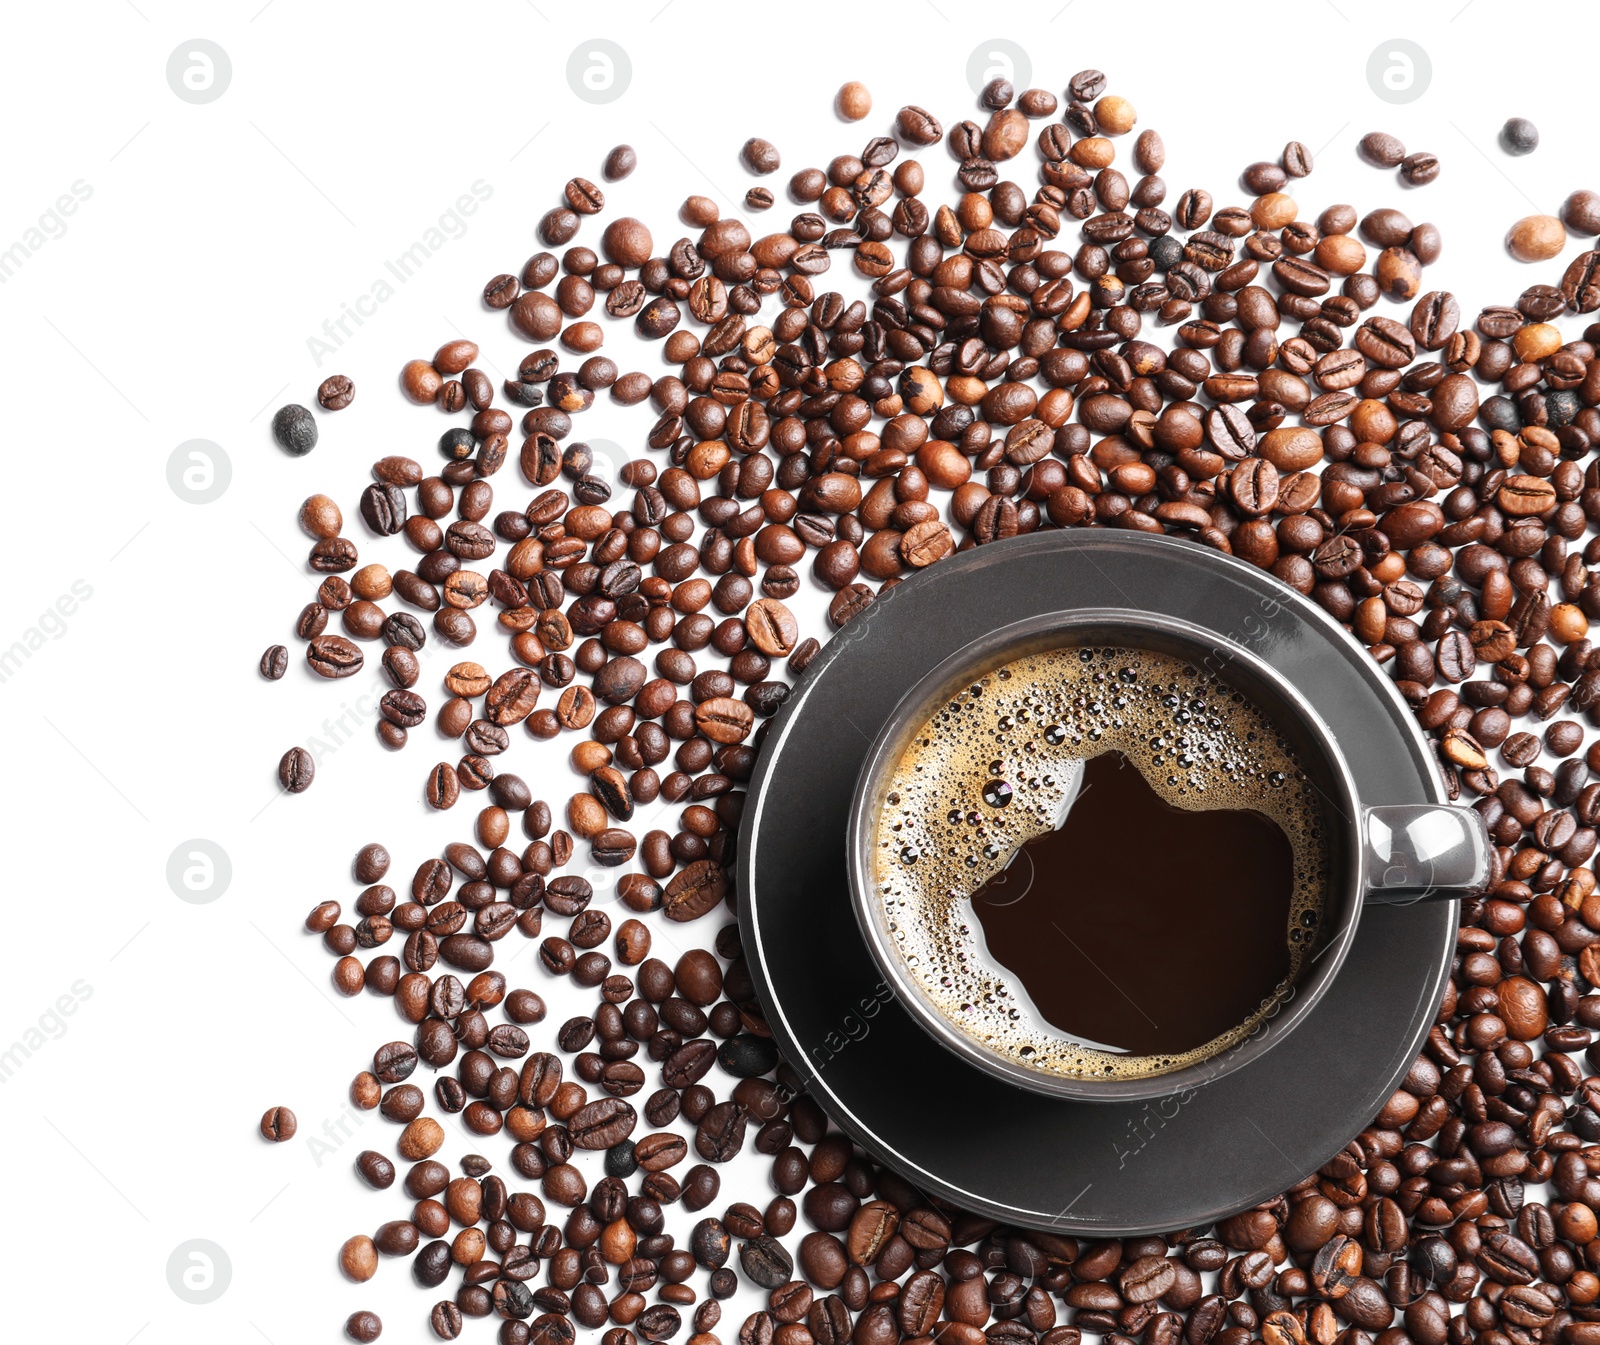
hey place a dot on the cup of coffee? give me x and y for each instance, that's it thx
(1104, 854)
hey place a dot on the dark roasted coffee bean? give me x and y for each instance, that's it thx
(278, 1124)
(766, 1262)
(335, 393)
(443, 786)
(720, 1133)
(602, 1124)
(1519, 136)
(1382, 149)
(1419, 169)
(333, 656)
(296, 770)
(295, 429)
(333, 555)
(383, 508)
(710, 1243)
(619, 163)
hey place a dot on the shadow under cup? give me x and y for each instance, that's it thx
(1301, 729)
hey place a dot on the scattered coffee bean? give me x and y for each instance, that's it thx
(371, 863)
(1536, 238)
(421, 381)
(853, 102)
(1580, 212)
(278, 1124)
(1382, 149)
(296, 770)
(759, 156)
(295, 429)
(335, 393)
(1419, 169)
(358, 1258)
(320, 517)
(1519, 136)
(363, 1326)
(1296, 160)
(619, 163)
(626, 242)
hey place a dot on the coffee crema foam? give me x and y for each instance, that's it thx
(992, 768)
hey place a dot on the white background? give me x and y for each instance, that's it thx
(215, 241)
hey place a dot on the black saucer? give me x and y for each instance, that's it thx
(953, 1130)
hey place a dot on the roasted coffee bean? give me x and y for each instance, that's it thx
(1519, 136)
(620, 162)
(443, 786)
(333, 656)
(295, 429)
(1419, 169)
(278, 1124)
(766, 1262)
(335, 393)
(747, 1056)
(296, 770)
(759, 156)
(383, 507)
(719, 1134)
(1383, 149)
(1536, 238)
(602, 1124)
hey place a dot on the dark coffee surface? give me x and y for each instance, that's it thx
(1146, 929)
(1000, 762)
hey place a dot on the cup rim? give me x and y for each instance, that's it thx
(1038, 633)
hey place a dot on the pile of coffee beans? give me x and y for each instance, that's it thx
(1088, 349)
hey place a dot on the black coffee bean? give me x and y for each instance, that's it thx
(513, 1299)
(766, 1262)
(295, 429)
(1519, 136)
(710, 1244)
(431, 1267)
(747, 1057)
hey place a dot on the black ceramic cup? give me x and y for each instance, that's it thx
(1379, 852)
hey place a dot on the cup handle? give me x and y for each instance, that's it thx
(1423, 852)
